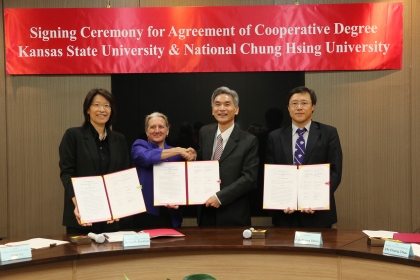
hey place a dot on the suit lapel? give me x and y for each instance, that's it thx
(286, 142)
(91, 146)
(314, 134)
(231, 143)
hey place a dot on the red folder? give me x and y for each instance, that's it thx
(163, 232)
(408, 237)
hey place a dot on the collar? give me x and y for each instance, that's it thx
(96, 134)
(155, 146)
(307, 126)
(226, 134)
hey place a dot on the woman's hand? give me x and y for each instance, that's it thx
(111, 221)
(77, 214)
(172, 206)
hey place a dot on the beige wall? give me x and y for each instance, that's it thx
(3, 148)
(375, 113)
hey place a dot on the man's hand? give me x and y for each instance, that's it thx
(212, 202)
(308, 211)
(189, 154)
(289, 211)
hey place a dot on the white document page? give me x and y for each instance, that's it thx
(280, 186)
(117, 236)
(203, 180)
(380, 233)
(314, 187)
(169, 183)
(38, 243)
(91, 199)
(124, 193)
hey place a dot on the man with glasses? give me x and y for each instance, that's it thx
(306, 142)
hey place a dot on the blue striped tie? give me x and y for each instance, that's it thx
(300, 147)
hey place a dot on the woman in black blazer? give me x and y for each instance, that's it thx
(90, 150)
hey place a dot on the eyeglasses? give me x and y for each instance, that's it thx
(304, 104)
(97, 106)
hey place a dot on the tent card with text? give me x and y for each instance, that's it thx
(182, 183)
(296, 187)
(107, 197)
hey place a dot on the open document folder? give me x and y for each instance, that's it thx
(296, 187)
(108, 197)
(182, 183)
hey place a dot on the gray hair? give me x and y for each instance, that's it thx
(226, 90)
(155, 114)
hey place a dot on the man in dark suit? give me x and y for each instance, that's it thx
(322, 146)
(237, 152)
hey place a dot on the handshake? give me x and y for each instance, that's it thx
(189, 154)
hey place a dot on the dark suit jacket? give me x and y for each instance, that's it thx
(323, 147)
(238, 166)
(79, 157)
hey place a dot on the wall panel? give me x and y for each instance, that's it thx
(414, 80)
(39, 110)
(371, 110)
(3, 141)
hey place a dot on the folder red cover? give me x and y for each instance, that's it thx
(408, 237)
(168, 232)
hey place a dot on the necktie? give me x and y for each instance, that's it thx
(300, 147)
(219, 148)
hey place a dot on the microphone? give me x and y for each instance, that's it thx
(99, 238)
(247, 233)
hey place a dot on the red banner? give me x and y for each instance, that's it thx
(204, 39)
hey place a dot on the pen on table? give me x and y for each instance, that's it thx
(53, 244)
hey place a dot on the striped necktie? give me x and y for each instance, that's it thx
(219, 148)
(300, 147)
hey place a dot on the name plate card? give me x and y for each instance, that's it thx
(398, 249)
(136, 240)
(308, 238)
(15, 253)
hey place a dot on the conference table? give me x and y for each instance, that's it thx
(220, 252)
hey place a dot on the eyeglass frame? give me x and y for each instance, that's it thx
(302, 104)
(97, 106)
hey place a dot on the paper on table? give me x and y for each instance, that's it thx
(379, 233)
(38, 243)
(169, 183)
(203, 180)
(117, 236)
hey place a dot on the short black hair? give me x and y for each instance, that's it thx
(88, 102)
(302, 89)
